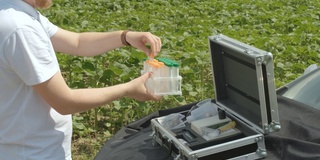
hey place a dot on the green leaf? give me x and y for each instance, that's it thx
(88, 66)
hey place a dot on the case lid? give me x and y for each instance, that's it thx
(244, 82)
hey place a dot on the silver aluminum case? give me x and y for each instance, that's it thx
(167, 139)
(253, 76)
(260, 61)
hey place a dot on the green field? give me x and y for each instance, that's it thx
(288, 29)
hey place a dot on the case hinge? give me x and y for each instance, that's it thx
(273, 127)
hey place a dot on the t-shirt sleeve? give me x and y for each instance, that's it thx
(50, 28)
(31, 55)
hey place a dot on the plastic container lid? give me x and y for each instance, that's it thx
(166, 61)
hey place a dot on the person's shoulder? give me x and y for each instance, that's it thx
(8, 22)
(12, 20)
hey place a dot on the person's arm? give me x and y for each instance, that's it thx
(68, 101)
(96, 43)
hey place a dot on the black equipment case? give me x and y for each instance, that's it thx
(244, 92)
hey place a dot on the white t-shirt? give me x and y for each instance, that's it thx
(30, 129)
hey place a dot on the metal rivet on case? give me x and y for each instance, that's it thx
(247, 51)
(264, 154)
(194, 156)
(216, 37)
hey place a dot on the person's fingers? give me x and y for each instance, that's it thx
(153, 97)
(151, 41)
(154, 42)
(147, 75)
(158, 45)
(150, 96)
(155, 45)
(156, 98)
(143, 48)
(140, 40)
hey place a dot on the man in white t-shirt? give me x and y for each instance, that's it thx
(35, 102)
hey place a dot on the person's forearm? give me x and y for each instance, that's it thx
(93, 43)
(80, 100)
(86, 43)
(67, 101)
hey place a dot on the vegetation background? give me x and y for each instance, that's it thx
(288, 29)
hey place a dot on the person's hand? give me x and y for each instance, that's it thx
(138, 90)
(140, 39)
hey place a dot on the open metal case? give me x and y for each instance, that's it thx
(245, 92)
